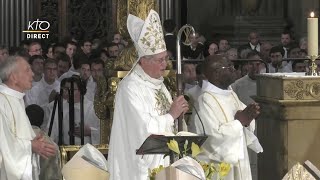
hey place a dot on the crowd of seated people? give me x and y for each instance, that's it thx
(87, 58)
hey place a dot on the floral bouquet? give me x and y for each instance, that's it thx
(191, 164)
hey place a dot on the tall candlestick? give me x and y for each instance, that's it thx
(312, 35)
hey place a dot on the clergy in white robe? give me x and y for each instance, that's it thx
(40, 93)
(19, 146)
(228, 123)
(143, 105)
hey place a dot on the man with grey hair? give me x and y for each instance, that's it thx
(143, 105)
(19, 146)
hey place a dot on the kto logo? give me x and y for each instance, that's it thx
(37, 29)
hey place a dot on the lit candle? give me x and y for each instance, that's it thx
(312, 35)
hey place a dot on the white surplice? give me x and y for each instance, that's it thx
(141, 109)
(16, 134)
(227, 138)
(39, 94)
(90, 119)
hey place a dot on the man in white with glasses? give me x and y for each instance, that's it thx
(143, 105)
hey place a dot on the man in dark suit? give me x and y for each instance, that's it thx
(169, 27)
(254, 42)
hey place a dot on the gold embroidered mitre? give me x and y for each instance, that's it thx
(147, 35)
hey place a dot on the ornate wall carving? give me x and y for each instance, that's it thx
(93, 18)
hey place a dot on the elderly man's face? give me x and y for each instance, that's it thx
(22, 77)
(155, 66)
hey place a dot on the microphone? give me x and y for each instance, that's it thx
(187, 98)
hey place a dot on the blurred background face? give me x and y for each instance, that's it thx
(76, 92)
(276, 58)
(189, 73)
(223, 45)
(87, 47)
(299, 67)
(85, 72)
(253, 38)
(213, 48)
(117, 38)
(37, 66)
(232, 54)
(285, 39)
(194, 39)
(96, 71)
(113, 51)
(254, 67)
(50, 53)
(71, 50)
(63, 67)
(35, 49)
(50, 72)
(294, 53)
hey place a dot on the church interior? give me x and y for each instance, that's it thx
(286, 87)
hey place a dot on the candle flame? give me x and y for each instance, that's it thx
(312, 14)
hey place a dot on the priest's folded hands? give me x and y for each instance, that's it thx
(248, 114)
(42, 147)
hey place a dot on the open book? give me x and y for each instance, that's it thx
(181, 133)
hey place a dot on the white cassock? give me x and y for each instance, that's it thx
(90, 119)
(91, 89)
(245, 87)
(39, 94)
(141, 109)
(227, 138)
(18, 162)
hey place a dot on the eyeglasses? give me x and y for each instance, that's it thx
(228, 67)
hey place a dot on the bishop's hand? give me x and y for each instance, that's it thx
(248, 114)
(179, 106)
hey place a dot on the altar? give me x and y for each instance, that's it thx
(289, 124)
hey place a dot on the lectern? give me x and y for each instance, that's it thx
(157, 144)
(289, 124)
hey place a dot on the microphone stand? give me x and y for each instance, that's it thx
(186, 29)
(56, 99)
(71, 113)
(81, 117)
(195, 109)
(60, 117)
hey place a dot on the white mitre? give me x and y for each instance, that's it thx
(147, 35)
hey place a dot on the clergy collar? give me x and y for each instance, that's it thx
(146, 78)
(207, 86)
(167, 34)
(11, 92)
